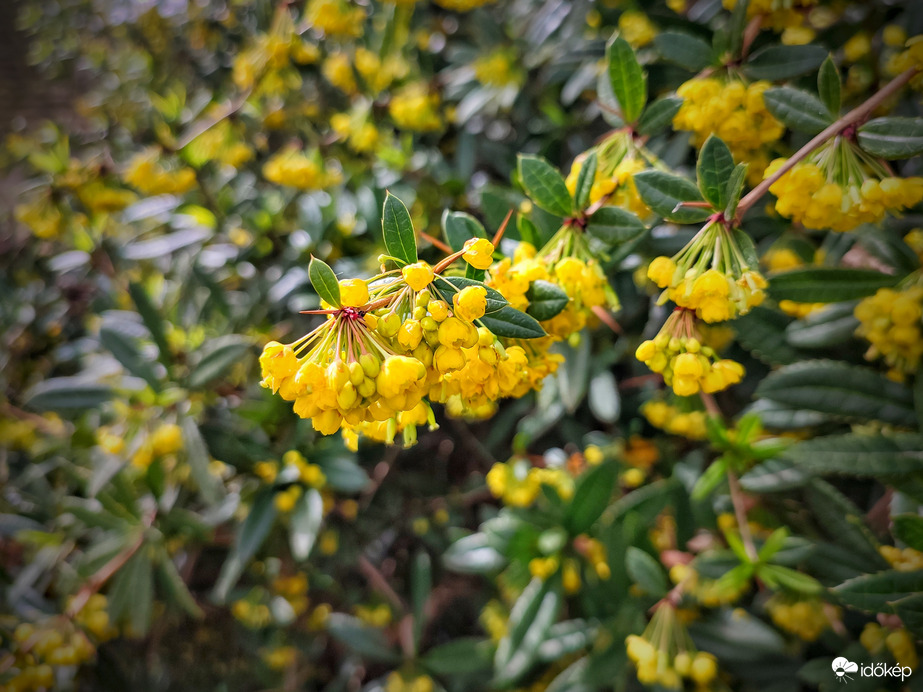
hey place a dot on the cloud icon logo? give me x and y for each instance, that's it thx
(842, 666)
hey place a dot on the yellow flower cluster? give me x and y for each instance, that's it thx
(518, 484)
(497, 69)
(686, 365)
(166, 439)
(672, 419)
(903, 560)
(414, 107)
(891, 321)
(337, 18)
(710, 275)
(293, 168)
(776, 15)
(618, 158)
(734, 111)
(396, 682)
(379, 615)
(711, 593)
(840, 187)
(339, 72)
(378, 73)
(899, 642)
(462, 5)
(664, 654)
(39, 648)
(806, 619)
(280, 657)
(594, 552)
(636, 28)
(294, 589)
(42, 216)
(145, 174)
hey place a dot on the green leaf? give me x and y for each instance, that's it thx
(789, 579)
(511, 323)
(892, 138)
(732, 41)
(663, 193)
(826, 328)
(585, 180)
(67, 393)
(762, 332)
(344, 474)
(459, 227)
(851, 392)
(828, 285)
(458, 657)
(828, 86)
(713, 170)
(603, 397)
(250, 537)
(566, 638)
(711, 479)
(773, 475)
(448, 286)
(473, 555)
(174, 586)
(421, 585)
(591, 497)
(545, 300)
(860, 455)
(613, 225)
(306, 519)
(688, 51)
(658, 115)
(735, 188)
(797, 109)
(397, 228)
(369, 642)
(324, 281)
(778, 62)
(531, 617)
(627, 79)
(125, 349)
(645, 571)
(151, 318)
(217, 357)
(139, 574)
(843, 523)
(909, 529)
(918, 396)
(876, 592)
(544, 185)
(910, 611)
(198, 458)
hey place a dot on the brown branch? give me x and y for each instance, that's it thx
(378, 582)
(856, 115)
(607, 319)
(741, 513)
(435, 242)
(500, 231)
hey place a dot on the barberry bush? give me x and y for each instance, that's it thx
(464, 345)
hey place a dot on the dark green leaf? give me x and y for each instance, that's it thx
(663, 193)
(67, 393)
(565, 638)
(910, 610)
(461, 656)
(365, 640)
(688, 51)
(140, 575)
(797, 109)
(909, 529)
(545, 300)
(216, 358)
(544, 185)
(773, 475)
(627, 79)
(530, 619)
(175, 587)
(892, 138)
(713, 170)
(250, 537)
(842, 521)
(151, 318)
(324, 281)
(198, 458)
(397, 228)
(658, 115)
(876, 592)
(828, 285)
(645, 571)
(860, 455)
(344, 474)
(826, 328)
(421, 585)
(306, 519)
(125, 349)
(828, 86)
(711, 479)
(591, 497)
(512, 324)
(460, 227)
(851, 392)
(762, 332)
(585, 180)
(735, 188)
(778, 62)
(613, 225)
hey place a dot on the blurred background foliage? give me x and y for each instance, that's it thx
(168, 524)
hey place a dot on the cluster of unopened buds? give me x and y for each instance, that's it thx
(839, 186)
(518, 484)
(686, 365)
(675, 419)
(664, 654)
(806, 619)
(899, 642)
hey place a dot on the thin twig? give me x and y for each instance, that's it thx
(606, 318)
(856, 115)
(741, 513)
(435, 242)
(378, 582)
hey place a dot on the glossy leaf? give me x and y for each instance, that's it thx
(685, 50)
(713, 170)
(591, 497)
(460, 227)
(892, 138)
(658, 115)
(585, 180)
(473, 554)
(627, 79)
(828, 285)
(777, 62)
(250, 537)
(860, 455)
(217, 357)
(663, 193)
(645, 571)
(829, 87)
(544, 185)
(512, 324)
(306, 519)
(797, 109)
(545, 300)
(461, 656)
(613, 225)
(908, 528)
(365, 640)
(126, 350)
(67, 394)
(448, 286)
(199, 460)
(876, 592)
(324, 282)
(397, 228)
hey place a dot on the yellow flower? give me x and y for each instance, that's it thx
(354, 293)
(479, 253)
(470, 303)
(418, 275)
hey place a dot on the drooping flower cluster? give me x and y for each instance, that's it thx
(518, 484)
(840, 187)
(294, 168)
(776, 14)
(414, 107)
(734, 111)
(618, 158)
(710, 275)
(146, 174)
(892, 320)
(675, 419)
(806, 619)
(664, 654)
(686, 365)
